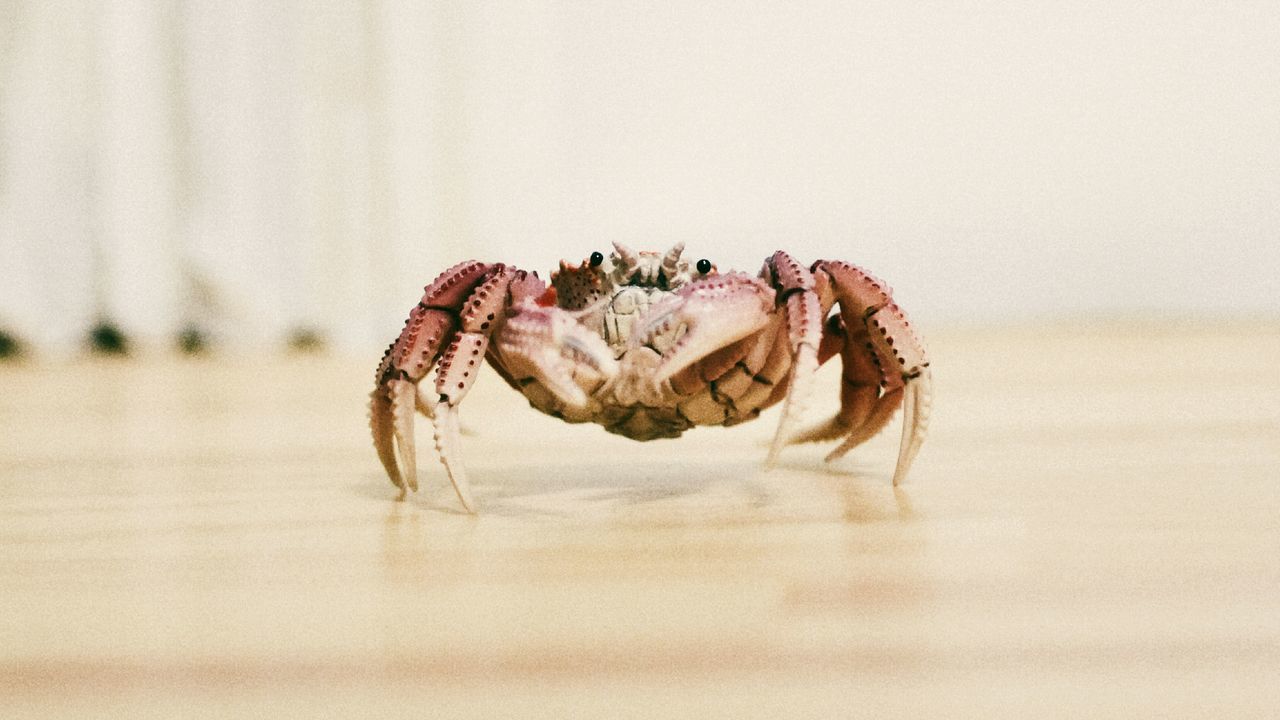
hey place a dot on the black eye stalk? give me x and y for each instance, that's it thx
(596, 259)
(704, 266)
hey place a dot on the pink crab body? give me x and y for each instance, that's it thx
(648, 345)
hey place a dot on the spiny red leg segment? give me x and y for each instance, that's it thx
(795, 286)
(880, 352)
(451, 324)
(408, 360)
(860, 380)
(458, 369)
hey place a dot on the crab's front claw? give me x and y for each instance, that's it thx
(550, 346)
(706, 316)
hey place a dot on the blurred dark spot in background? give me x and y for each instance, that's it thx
(10, 347)
(306, 340)
(107, 339)
(192, 341)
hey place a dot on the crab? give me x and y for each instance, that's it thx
(648, 345)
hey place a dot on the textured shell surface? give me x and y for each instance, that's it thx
(612, 294)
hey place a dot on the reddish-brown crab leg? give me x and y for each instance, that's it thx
(795, 286)
(451, 324)
(457, 372)
(407, 361)
(860, 376)
(879, 342)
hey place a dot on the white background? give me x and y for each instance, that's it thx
(257, 166)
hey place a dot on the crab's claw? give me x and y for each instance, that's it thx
(550, 346)
(703, 317)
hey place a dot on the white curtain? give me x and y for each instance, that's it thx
(256, 168)
(245, 169)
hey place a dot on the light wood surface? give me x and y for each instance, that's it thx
(1090, 531)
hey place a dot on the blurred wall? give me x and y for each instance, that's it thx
(251, 168)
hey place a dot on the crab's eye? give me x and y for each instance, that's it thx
(704, 266)
(596, 259)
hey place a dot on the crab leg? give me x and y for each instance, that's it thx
(804, 334)
(451, 325)
(454, 376)
(384, 404)
(859, 383)
(457, 372)
(879, 332)
(915, 423)
(407, 361)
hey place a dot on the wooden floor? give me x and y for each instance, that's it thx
(1092, 530)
